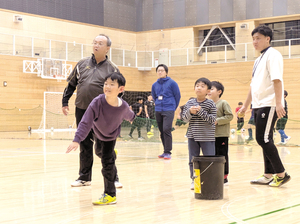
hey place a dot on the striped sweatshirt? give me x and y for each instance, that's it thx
(201, 125)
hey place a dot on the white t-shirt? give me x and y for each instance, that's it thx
(267, 67)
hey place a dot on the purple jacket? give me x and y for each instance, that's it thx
(105, 120)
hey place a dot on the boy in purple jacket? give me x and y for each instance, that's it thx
(105, 115)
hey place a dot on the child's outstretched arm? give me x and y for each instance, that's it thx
(72, 146)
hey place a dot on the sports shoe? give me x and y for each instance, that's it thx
(278, 181)
(262, 180)
(225, 181)
(280, 143)
(130, 136)
(118, 184)
(150, 133)
(249, 139)
(287, 139)
(162, 156)
(106, 200)
(192, 186)
(167, 156)
(141, 138)
(80, 183)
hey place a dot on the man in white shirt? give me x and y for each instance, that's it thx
(266, 96)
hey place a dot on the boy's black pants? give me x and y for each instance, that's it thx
(105, 151)
(221, 146)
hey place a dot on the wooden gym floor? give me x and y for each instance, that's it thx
(36, 176)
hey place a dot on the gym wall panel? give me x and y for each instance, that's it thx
(293, 7)
(168, 14)
(158, 14)
(252, 9)
(179, 13)
(279, 8)
(214, 11)
(239, 10)
(266, 9)
(147, 15)
(111, 13)
(226, 11)
(190, 12)
(202, 12)
(139, 15)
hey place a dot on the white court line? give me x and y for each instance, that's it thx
(225, 211)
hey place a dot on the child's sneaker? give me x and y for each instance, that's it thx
(262, 180)
(192, 186)
(278, 181)
(106, 200)
(287, 139)
(162, 156)
(118, 184)
(225, 181)
(167, 156)
(80, 183)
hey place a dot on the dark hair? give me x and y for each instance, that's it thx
(240, 103)
(286, 93)
(205, 81)
(117, 76)
(219, 86)
(108, 39)
(139, 98)
(163, 65)
(264, 30)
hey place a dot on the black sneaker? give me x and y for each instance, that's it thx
(225, 181)
(278, 181)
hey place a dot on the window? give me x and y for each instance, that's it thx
(217, 38)
(285, 30)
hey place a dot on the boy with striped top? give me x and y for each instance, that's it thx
(201, 115)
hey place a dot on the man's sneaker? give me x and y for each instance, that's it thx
(106, 200)
(118, 184)
(278, 181)
(262, 180)
(280, 143)
(141, 138)
(192, 186)
(167, 156)
(225, 181)
(162, 156)
(130, 136)
(80, 183)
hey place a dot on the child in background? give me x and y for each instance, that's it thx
(280, 125)
(250, 123)
(105, 115)
(239, 117)
(201, 115)
(137, 108)
(224, 116)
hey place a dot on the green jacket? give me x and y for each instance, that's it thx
(224, 116)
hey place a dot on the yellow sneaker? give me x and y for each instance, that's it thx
(150, 133)
(106, 200)
(278, 181)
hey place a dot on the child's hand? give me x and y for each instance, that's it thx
(72, 146)
(194, 109)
